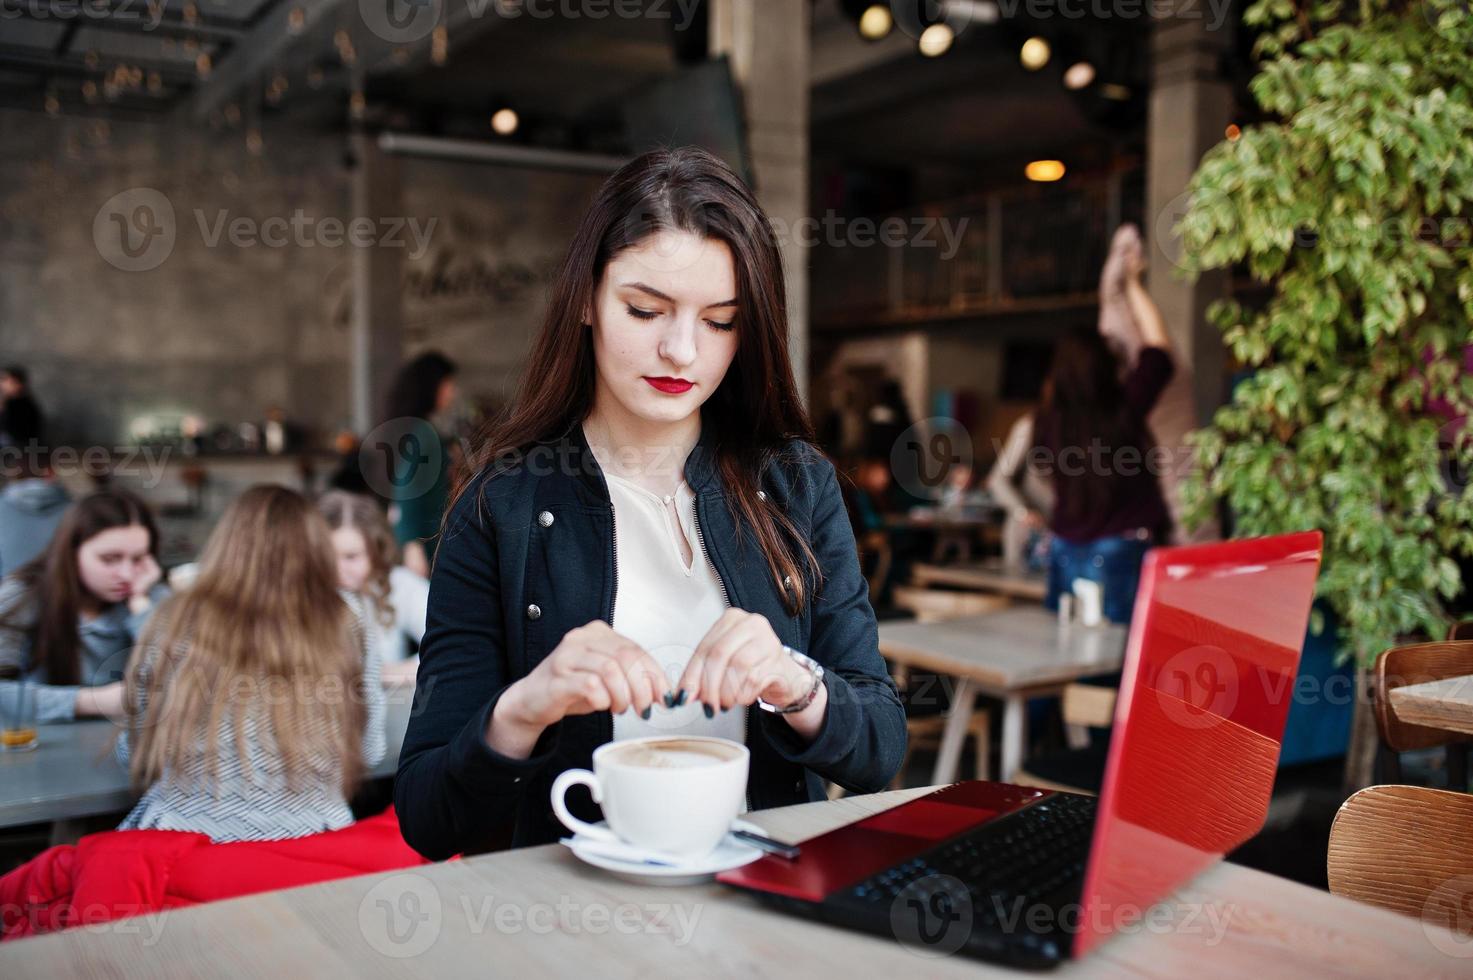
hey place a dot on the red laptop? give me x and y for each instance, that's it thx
(1031, 876)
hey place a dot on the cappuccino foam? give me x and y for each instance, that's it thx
(673, 754)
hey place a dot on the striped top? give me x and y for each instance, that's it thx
(252, 801)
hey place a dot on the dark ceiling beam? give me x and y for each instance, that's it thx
(264, 48)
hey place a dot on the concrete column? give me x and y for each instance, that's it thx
(769, 58)
(1191, 105)
(377, 346)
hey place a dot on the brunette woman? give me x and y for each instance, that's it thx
(647, 542)
(69, 616)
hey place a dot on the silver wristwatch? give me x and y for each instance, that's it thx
(815, 669)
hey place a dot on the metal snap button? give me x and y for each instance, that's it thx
(534, 611)
(761, 494)
(1099, 561)
(545, 518)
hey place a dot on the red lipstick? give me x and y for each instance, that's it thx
(671, 386)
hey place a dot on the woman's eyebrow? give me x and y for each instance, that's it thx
(652, 291)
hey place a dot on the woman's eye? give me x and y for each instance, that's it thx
(639, 314)
(722, 324)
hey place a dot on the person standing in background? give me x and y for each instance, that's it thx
(1175, 414)
(31, 506)
(21, 419)
(425, 388)
(1090, 435)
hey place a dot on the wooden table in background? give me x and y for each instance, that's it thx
(987, 576)
(1012, 655)
(72, 772)
(1445, 704)
(539, 912)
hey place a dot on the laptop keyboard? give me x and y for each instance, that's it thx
(1010, 866)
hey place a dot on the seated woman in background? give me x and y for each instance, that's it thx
(395, 597)
(69, 616)
(253, 701)
(1090, 436)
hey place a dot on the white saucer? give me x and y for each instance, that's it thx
(680, 871)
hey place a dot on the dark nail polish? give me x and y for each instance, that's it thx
(709, 712)
(724, 710)
(680, 697)
(669, 699)
(645, 714)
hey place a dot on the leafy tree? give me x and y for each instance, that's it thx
(1352, 206)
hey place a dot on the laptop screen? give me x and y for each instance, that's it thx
(1208, 679)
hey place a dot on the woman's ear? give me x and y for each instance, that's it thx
(586, 317)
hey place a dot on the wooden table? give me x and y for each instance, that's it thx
(538, 911)
(987, 576)
(1012, 655)
(1446, 704)
(72, 772)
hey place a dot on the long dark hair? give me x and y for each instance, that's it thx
(1084, 403)
(417, 386)
(54, 587)
(754, 411)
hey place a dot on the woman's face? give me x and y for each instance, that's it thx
(445, 394)
(663, 333)
(354, 565)
(111, 561)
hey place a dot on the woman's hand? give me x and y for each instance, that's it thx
(592, 669)
(149, 575)
(739, 660)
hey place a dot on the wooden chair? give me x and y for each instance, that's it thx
(1084, 706)
(924, 732)
(1400, 847)
(1460, 631)
(1416, 664)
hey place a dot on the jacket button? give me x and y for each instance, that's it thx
(761, 494)
(534, 611)
(545, 518)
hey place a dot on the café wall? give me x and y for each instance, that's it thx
(245, 312)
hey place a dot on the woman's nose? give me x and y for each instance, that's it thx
(678, 346)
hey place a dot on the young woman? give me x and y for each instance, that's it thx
(1090, 436)
(253, 703)
(647, 536)
(69, 616)
(395, 597)
(423, 391)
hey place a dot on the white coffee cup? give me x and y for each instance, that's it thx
(674, 794)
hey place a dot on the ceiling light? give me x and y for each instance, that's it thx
(1079, 75)
(1044, 171)
(504, 122)
(875, 22)
(936, 40)
(1035, 53)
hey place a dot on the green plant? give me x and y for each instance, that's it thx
(1353, 206)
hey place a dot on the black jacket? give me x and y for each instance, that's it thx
(528, 554)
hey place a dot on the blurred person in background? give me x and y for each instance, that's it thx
(31, 506)
(396, 598)
(424, 390)
(21, 419)
(253, 705)
(80, 603)
(1090, 436)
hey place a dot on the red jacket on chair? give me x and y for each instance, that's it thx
(119, 873)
